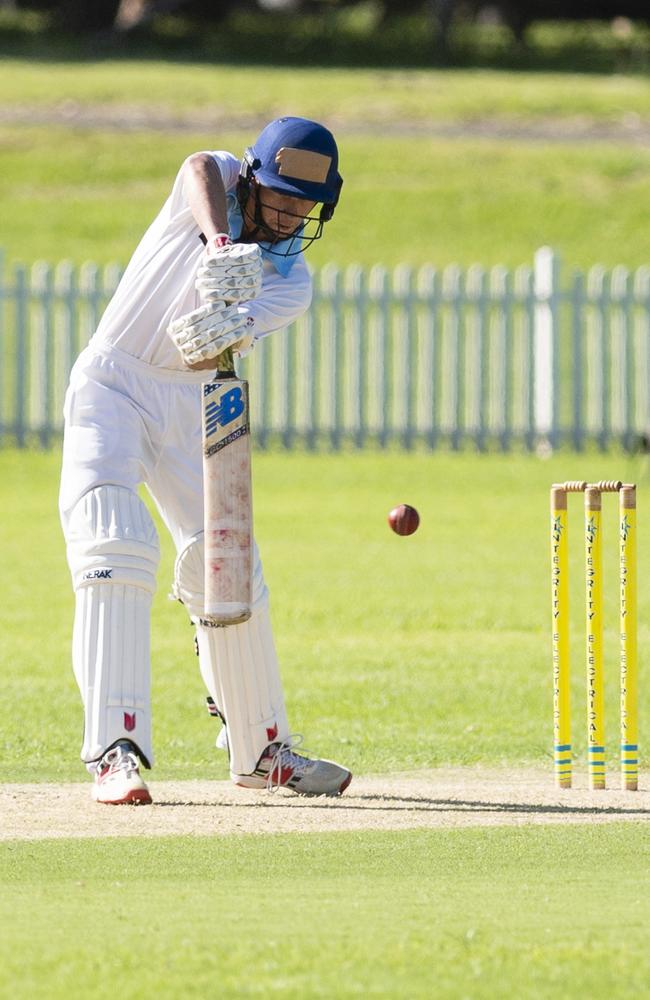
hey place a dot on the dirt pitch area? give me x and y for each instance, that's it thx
(443, 799)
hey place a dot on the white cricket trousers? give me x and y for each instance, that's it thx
(128, 423)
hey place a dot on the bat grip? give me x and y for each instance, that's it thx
(226, 363)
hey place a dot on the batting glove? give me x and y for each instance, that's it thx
(232, 273)
(207, 331)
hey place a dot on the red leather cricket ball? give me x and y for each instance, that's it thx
(404, 519)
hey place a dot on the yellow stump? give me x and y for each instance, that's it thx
(594, 597)
(560, 610)
(629, 667)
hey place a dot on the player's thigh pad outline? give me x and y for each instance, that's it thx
(238, 663)
(113, 555)
(189, 578)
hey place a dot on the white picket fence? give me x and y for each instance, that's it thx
(493, 358)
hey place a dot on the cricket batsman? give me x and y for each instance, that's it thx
(219, 268)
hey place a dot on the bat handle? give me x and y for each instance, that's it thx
(226, 363)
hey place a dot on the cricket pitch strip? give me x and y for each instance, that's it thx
(446, 798)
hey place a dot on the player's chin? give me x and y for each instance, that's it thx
(279, 235)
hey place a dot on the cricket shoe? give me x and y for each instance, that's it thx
(280, 767)
(117, 778)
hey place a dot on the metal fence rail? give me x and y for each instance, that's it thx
(489, 358)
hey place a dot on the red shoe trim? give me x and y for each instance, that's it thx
(137, 796)
(345, 784)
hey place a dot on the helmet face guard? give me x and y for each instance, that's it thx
(277, 238)
(294, 157)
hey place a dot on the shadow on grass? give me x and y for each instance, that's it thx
(344, 39)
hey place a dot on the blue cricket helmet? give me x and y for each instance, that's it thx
(297, 157)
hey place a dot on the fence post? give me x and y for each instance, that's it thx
(499, 414)
(379, 295)
(65, 282)
(578, 359)
(402, 360)
(453, 287)
(546, 361)
(355, 294)
(21, 292)
(42, 367)
(332, 293)
(642, 355)
(599, 349)
(476, 356)
(428, 295)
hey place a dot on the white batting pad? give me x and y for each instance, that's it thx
(238, 663)
(240, 669)
(113, 555)
(189, 579)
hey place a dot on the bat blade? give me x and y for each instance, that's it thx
(227, 500)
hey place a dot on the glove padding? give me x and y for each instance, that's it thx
(207, 331)
(232, 273)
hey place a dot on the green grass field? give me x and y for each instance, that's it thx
(468, 200)
(356, 96)
(496, 913)
(397, 654)
(409, 195)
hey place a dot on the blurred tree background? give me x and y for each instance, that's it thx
(591, 35)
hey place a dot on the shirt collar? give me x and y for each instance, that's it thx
(281, 264)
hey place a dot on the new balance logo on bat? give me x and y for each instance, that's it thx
(222, 412)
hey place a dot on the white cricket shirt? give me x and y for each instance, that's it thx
(158, 284)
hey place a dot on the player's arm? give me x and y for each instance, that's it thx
(229, 273)
(206, 197)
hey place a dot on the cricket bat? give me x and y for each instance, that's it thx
(227, 497)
